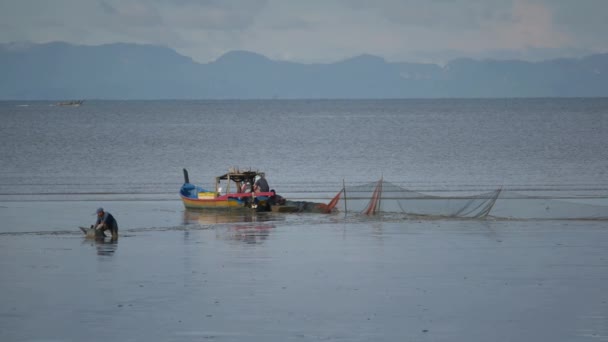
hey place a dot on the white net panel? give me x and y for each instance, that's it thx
(518, 205)
(385, 197)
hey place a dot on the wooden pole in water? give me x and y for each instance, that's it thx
(380, 199)
(344, 190)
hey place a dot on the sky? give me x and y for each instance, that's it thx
(317, 31)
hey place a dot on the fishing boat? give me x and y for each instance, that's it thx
(77, 103)
(238, 192)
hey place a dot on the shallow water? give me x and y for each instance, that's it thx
(311, 278)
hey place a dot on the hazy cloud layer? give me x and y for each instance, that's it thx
(321, 31)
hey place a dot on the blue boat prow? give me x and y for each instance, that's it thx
(191, 191)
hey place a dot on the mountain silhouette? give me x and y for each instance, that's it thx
(58, 70)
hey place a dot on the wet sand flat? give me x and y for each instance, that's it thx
(307, 277)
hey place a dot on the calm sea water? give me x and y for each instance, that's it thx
(141, 147)
(176, 275)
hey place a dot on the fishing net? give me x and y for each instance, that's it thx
(385, 197)
(542, 205)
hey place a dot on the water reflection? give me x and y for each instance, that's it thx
(244, 226)
(210, 217)
(104, 246)
(250, 233)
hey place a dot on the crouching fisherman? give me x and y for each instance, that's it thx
(105, 221)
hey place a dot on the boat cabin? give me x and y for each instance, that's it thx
(239, 178)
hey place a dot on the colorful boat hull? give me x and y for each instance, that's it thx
(195, 197)
(218, 203)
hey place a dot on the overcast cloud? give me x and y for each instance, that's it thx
(321, 31)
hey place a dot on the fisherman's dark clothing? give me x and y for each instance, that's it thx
(262, 184)
(109, 223)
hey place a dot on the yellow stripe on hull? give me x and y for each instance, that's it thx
(210, 203)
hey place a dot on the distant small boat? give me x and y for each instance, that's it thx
(77, 103)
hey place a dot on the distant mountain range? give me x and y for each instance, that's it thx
(59, 71)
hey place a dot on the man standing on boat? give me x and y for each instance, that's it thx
(105, 221)
(260, 184)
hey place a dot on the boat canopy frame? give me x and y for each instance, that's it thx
(237, 177)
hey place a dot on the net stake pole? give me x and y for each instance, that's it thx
(381, 184)
(344, 190)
